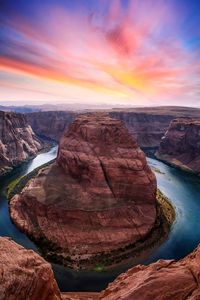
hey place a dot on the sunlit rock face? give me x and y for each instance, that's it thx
(163, 280)
(17, 141)
(24, 274)
(98, 197)
(181, 145)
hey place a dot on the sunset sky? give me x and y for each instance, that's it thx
(131, 52)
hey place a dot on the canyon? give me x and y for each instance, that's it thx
(96, 200)
(146, 125)
(180, 146)
(17, 141)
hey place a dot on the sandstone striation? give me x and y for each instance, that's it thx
(181, 145)
(96, 200)
(24, 274)
(17, 141)
(163, 280)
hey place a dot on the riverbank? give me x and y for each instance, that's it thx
(105, 261)
(175, 163)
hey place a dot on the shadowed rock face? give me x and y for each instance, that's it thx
(50, 124)
(163, 280)
(181, 145)
(17, 141)
(24, 274)
(99, 196)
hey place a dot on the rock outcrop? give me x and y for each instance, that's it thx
(96, 200)
(17, 141)
(163, 280)
(148, 125)
(50, 124)
(24, 274)
(181, 145)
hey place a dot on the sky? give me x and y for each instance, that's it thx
(127, 52)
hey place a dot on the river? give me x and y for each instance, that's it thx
(182, 189)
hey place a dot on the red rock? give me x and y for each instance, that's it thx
(99, 196)
(50, 124)
(163, 280)
(24, 274)
(181, 145)
(17, 141)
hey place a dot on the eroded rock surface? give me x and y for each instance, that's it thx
(99, 196)
(17, 141)
(163, 280)
(24, 274)
(181, 145)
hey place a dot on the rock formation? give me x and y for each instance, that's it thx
(163, 280)
(97, 199)
(50, 124)
(148, 125)
(181, 145)
(17, 141)
(24, 274)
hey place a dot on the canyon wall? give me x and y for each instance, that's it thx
(17, 141)
(96, 200)
(181, 145)
(50, 124)
(146, 125)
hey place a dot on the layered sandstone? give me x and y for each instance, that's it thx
(97, 199)
(146, 125)
(24, 274)
(181, 145)
(163, 280)
(17, 141)
(50, 124)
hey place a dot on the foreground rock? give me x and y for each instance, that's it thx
(17, 141)
(95, 201)
(163, 280)
(181, 145)
(24, 274)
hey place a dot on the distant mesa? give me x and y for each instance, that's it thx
(96, 200)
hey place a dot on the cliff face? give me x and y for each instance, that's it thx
(146, 128)
(146, 125)
(162, 280)
(181, 145)
(50, 124)
(17, 141)
(98, 197)
(24, 274)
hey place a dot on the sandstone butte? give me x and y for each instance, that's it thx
(17, 141)
(181, 145)
(24, 275)
(95, 200)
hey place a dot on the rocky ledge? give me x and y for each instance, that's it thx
(163, 280)
(95, 201)
(17, 141)
(180, 146)
(24, 274)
